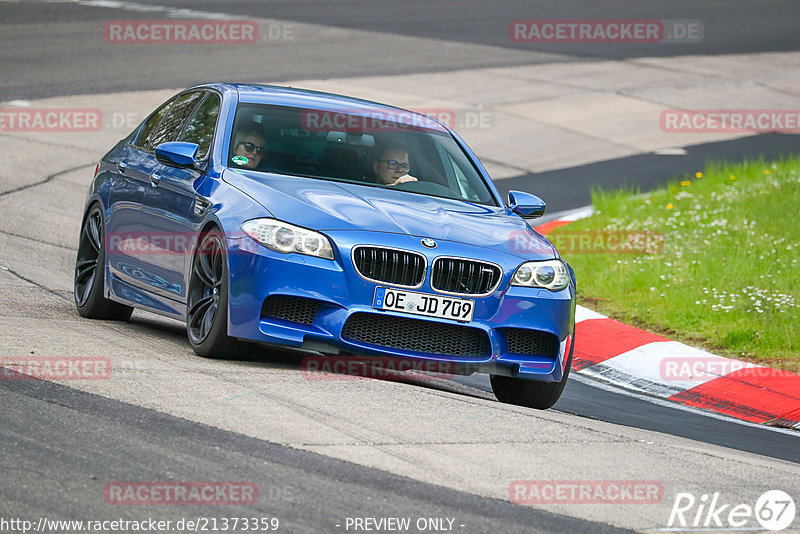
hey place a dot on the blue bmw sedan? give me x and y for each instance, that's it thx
(338, 225)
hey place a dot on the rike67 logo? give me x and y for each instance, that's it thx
(774, 510)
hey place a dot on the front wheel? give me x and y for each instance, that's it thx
(531, 393)
(207, 306)
(90, 266)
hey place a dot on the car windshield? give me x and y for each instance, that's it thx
(405, 151)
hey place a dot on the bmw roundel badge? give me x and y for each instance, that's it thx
(428, 243)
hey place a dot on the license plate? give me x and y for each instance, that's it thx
(425, 304)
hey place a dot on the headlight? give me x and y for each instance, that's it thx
(285, 237)
(550, 274)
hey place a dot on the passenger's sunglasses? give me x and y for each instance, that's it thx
(252, 148)
(396, 165)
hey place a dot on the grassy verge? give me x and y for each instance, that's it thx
(725, 276)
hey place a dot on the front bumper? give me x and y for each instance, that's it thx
(342, 320)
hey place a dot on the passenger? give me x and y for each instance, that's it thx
(391, 167)
(249, 143)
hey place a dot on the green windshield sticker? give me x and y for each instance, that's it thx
(240, 160)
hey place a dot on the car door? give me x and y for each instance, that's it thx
(125, 199)
(172, 208)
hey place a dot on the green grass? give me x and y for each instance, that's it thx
(728, 276)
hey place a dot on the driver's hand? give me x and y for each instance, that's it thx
(403, 179)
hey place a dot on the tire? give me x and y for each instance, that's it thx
(90, 266)
(207, 303)
(531, 393)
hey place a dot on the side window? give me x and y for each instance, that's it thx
(151, 124)
(200, 129)
(171, 124)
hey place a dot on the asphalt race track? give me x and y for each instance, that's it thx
(325, 452)
(70, 59)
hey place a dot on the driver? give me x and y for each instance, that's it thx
(391, 167)
(248, 146)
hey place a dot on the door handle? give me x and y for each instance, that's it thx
(154, 179)
(122, 166)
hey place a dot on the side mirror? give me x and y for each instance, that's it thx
(177, 154)
(526, 205)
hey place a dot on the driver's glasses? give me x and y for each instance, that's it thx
(396, 165)
(252, 148)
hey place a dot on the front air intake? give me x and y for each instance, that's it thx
(390, 266)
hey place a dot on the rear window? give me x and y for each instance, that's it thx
(152, 122)
(200, 128)
(172, 122)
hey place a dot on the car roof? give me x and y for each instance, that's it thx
(317, 100)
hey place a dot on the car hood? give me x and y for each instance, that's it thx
(326, 205)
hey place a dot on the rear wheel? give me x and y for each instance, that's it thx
(90, 267)
(207, 306)
(531, 393)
